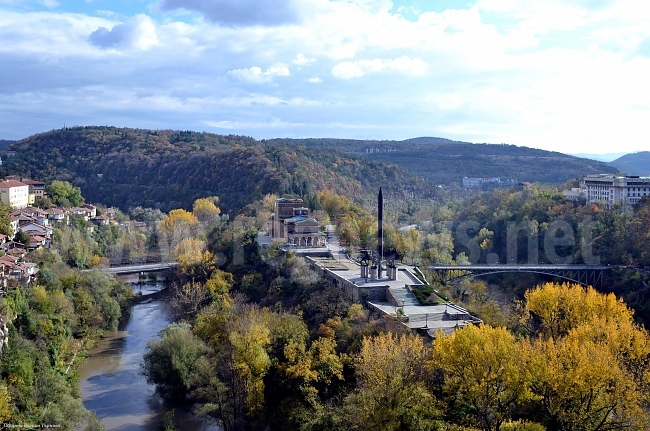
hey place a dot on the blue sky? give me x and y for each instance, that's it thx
(563, 75)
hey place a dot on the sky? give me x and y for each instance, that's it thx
(562, 75)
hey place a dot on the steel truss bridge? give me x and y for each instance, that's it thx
(587, 275)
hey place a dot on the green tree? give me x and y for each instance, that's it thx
(64, 194)
(5, 220)
(171, 362)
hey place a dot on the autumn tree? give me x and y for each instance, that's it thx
(590, 365)
(207, 212)
(178, 225)
(483, 373)
(392, 393)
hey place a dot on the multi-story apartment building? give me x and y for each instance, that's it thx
(14, 193)
(610, 189)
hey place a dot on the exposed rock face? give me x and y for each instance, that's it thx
(4, 334)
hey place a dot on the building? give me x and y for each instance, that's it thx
(291, 223)
(477, 182)
(284, 209)
(575, 194)
(14, 193)
(610, 189)
(303, 231)
(36, 189)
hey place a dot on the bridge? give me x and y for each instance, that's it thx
(587, 275)
(136, 269)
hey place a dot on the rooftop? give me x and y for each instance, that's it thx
(11, 183)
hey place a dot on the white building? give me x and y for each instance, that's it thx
(575, 194)
(610, 189)
(477, 182)
(14, 193)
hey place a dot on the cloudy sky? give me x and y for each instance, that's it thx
(565, 75)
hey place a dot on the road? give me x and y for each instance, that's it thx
(147, 267)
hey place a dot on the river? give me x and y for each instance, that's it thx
(112, 385)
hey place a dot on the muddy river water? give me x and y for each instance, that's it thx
(112, 384)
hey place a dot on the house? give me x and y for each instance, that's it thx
(36, 241)
(92, 210)
(56, 215)
(101, 220)
(35, 227)
(13, 248)
(86, 213)
(14, 193)
(14, 226)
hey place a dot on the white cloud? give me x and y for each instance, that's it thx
(139, 32)
(557, 74)
(301, 60)
(256, 75)
(357, 69)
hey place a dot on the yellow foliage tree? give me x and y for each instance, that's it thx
(392, 392)
(552, 309)
(319, 364)
(483, 372)
(250, 360)
(5, 403)
(206, 211)
(590, 365)
(583, 387)
(178, 225)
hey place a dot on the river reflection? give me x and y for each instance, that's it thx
(111, 381)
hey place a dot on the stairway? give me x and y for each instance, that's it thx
(401, 296)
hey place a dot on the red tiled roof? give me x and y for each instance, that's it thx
(11, 183)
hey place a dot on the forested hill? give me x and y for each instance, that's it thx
(170, 169)
(634, 163)
(4, 143)
(443, 161)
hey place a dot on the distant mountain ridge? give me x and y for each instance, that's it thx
(446, 162)
(634, 163)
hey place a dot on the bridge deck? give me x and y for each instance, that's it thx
(583, 274)
(148, 267)
(521, 267)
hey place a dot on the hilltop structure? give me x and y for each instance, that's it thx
(291, 222)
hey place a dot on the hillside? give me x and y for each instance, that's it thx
(4, 144)
(446, 162)
(170, 169)
(634, 163)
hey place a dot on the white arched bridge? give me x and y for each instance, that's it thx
(587, 275)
